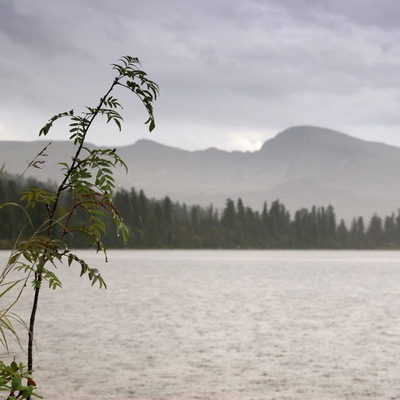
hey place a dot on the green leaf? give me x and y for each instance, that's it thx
(118, 124)
(14, 366)
(27, 392)
(16, 382)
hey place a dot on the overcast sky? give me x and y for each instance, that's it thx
(232, 73)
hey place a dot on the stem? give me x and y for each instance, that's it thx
(32, 322)
(52, 213)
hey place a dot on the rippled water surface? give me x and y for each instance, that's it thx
(224, 325)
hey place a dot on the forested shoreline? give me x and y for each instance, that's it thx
(167, 224)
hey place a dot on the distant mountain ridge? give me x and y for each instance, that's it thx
(302, 166)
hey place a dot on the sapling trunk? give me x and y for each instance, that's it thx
(51, 220)
(91, 193)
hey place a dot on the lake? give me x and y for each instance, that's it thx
(226, 325)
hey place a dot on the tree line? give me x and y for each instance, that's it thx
(163, 223)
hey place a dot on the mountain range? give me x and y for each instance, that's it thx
(302, 166)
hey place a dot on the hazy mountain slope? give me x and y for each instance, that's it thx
(302, 166)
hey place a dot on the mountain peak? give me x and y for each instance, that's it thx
(308, 130)
(311, 136)
(312, 133)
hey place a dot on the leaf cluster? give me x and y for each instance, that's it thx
(33, 256)
(136, 80)
(11, 381)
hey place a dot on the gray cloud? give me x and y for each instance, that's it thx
(40, 31)
(225, 68)
(355, 12)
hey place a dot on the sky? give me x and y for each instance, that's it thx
(232, 73)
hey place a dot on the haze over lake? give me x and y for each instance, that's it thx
(225, 325)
